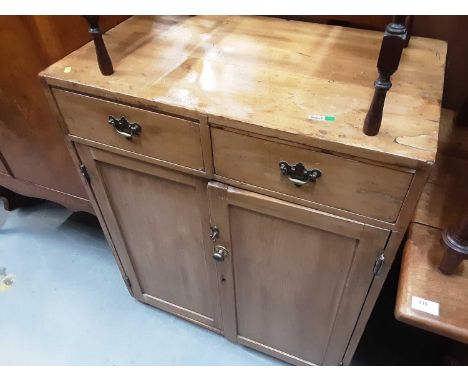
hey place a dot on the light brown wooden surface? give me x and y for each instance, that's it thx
(346, 184)
(270, 74)
(443, 201)
(293, 265)
(420, 277)
(164, 137)
(158, 220)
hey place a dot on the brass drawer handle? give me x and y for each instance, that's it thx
(298, 174)
(124, 128)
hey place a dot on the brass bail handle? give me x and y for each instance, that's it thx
(123, 127)
(298, 174)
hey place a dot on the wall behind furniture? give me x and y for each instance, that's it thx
(454, 30)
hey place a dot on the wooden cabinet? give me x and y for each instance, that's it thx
(204, 218)
(35, 158)
(283, 262)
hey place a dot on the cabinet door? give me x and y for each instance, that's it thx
(158, 222)
(294, 279)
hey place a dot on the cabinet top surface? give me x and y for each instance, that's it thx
(270, 74)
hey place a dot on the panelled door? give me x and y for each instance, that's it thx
(292, 279)
(158, 222)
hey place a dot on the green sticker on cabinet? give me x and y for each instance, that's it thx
(320, 117)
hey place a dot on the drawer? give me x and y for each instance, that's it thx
(163, 137)
(369, 190)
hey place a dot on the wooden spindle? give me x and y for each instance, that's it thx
(399, 19)
(392, 46)
(103, 58)
(409, 29)
(455, 240)
(462, 116)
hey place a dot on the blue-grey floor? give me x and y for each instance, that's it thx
(63, 302)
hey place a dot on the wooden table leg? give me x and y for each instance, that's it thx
(409, 28)
(12, 200)
(8, 198)
(455, 240)
(462, 116)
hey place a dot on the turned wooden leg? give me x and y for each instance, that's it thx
(8, 198)
(462, 116)
(455, 241)
(11, 200)
(103, 58)
(409, 29)
(392, 46)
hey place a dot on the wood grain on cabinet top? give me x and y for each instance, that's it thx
(268, 75)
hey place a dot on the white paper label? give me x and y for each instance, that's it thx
(320, 117)
(423, 305)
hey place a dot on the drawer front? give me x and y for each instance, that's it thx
(369, 190)
(163, 137)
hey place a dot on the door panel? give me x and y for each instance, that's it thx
(296, 278)
(308, 266)
(158, 221)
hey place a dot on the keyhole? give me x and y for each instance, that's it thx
(223, 279)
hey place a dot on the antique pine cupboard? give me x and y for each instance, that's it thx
(223, 200)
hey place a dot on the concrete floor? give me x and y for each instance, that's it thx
(63, 302)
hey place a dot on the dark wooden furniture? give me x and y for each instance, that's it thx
(456, 246)
(421, 279)
(226, 197)
(442, 204)
(34, 160)
(104, 61)
(395, 38)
